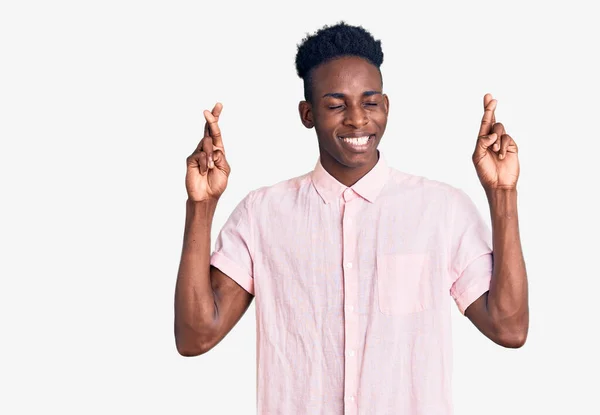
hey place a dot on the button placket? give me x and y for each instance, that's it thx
(349, 235)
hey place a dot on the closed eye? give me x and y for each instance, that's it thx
(371, 103)
(336, 107)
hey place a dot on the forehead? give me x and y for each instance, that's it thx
(346, 75)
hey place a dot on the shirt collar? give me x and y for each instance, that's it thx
(368, 187)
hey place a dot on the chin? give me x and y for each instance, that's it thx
(356, 160)
(351, 154)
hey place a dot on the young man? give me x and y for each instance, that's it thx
(353, 264)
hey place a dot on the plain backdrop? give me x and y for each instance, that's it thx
(101, 102)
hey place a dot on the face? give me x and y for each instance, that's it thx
(349, 113)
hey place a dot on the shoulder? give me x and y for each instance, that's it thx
(433, 195)
(279, 191)
(425, 187)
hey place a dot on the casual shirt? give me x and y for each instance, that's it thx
(353, 289)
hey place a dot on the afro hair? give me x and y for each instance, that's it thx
(332, 42)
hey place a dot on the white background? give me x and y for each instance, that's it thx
(101, 102)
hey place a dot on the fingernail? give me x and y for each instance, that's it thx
(211, 163)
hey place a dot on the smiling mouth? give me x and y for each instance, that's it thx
(356, 141)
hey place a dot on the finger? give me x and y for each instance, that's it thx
(193, 160)
(216, 111)
(483, 143)
(203, 162)
(207, 147)
(200, 145)
(206, 132)
(213, 128)
(201, 142)
(488, 119)
(506, 142)
(215, 150)
(498, 129)
(220, 161)
(486, 100)
(512, 147)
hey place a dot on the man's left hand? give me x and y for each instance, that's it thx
(495, 156)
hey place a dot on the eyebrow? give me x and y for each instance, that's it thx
(339, 95)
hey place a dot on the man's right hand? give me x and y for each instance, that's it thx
(207, 168)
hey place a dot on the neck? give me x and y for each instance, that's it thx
(346, 175)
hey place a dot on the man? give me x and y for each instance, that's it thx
(353, 264)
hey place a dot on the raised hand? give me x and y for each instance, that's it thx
(495, 156)
(207, 167)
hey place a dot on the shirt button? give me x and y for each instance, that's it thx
(351, 398)
(349, 265)
(350, 308)
(351, 353)
(347, 194)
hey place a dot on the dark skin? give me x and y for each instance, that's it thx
(347, 103)
(502, 313)
(207, 302)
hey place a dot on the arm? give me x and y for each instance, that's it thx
(207, 302)
(502, 313)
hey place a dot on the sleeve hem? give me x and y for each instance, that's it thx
(233, 271)
(468, 296)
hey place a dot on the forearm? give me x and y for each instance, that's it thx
(194, 298)
(507, 301)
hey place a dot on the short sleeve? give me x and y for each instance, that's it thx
(233, 247)
(471, 258)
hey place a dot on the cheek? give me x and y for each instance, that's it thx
(379, 117)
(327, 121)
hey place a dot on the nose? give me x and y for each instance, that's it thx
(356, 116)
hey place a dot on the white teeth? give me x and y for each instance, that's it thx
(358, 141)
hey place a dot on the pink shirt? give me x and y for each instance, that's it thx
(352, 289)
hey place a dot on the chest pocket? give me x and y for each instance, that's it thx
(403, 283)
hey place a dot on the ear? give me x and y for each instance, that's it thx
(386, 102)
(306, 114)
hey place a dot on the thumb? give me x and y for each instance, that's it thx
(483, 143)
